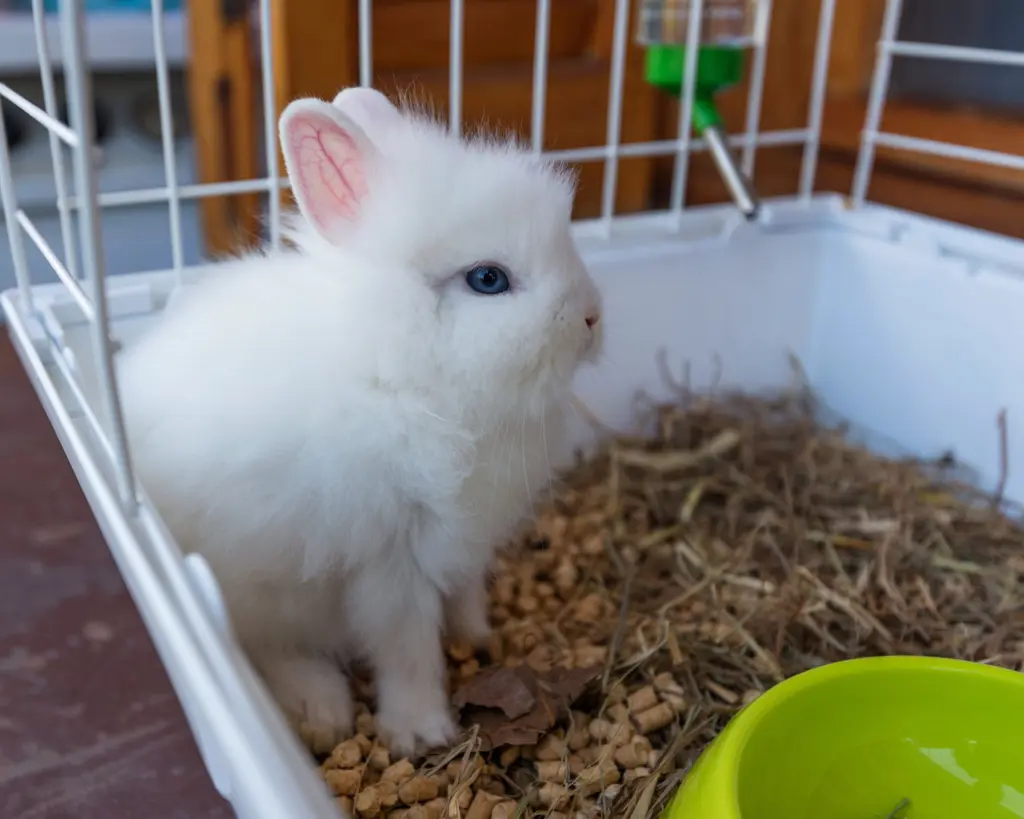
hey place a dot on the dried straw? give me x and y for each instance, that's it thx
(741, 544)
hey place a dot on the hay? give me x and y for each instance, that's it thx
(742, 544)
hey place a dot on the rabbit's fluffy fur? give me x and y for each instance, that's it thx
(344, 429)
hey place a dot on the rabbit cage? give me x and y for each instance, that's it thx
(910, 326)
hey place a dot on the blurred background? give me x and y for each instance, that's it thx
(213, 51)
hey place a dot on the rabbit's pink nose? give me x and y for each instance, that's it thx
(591, 320)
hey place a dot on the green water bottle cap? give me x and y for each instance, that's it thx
(718, 67)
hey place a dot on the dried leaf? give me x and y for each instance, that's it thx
(513, 690)
(517, 706)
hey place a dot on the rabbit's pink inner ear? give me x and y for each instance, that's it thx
(330, 170)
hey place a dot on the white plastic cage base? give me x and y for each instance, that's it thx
(906, 326)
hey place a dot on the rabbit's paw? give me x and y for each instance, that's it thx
(416, 727)
(315, 696)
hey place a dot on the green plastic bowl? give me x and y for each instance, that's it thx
(853, 739)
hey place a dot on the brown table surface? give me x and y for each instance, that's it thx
(89, 723)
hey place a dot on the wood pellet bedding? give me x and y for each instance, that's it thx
(678, 576)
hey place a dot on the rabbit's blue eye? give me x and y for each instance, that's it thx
(487, 279)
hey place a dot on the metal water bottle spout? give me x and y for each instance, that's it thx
(726, 28)
(736, 181)
(739, 186)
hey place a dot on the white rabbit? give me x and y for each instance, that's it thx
(348, 429)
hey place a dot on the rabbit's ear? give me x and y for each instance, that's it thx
(327, 156)
(370, 108)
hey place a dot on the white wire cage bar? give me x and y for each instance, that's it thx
(74, 286)
(456, 35)
(269, 126)
(14, 236)
(51, 123)
(681, 169)
(889, 47)
(163, 83)
(965, 54)
(56, 154)
(80, 106)
(755, 96)
(816, 109)
(365, 42)
(147, 196)
(538, 103)
(947, 149)
(614, 125)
